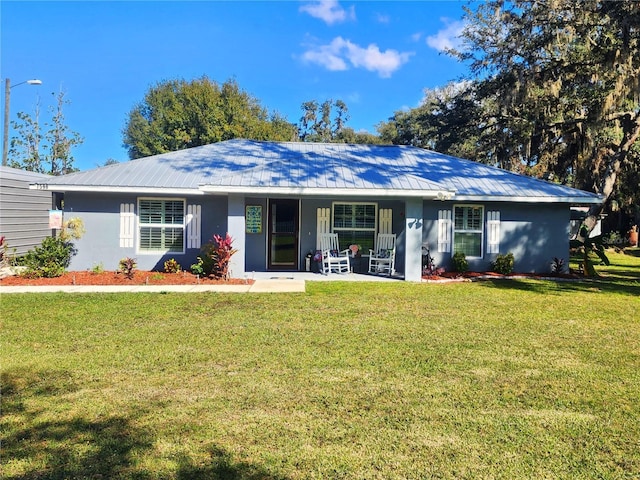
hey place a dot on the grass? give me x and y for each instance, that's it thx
(496, 379)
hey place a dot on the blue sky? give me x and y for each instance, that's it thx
(378, 57)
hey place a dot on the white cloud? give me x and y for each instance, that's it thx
(340, 52)
(416, 37)
(381, 18)
(329, 11)
(448, 37)
(326, 55)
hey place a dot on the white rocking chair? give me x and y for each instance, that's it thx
(383, 259)
(333, 260)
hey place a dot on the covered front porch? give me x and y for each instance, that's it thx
(275, 236)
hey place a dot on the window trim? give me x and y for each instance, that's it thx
(481, 229)
(140, 225)
(373, 230)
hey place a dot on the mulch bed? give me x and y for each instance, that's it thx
(187, 278)
(471, 276)
(118, 278)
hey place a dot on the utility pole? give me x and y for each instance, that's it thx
(7, 100)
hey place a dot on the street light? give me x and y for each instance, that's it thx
(7, 99)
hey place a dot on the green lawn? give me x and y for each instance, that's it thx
(495, 379)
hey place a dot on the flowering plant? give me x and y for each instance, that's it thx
(355, 249)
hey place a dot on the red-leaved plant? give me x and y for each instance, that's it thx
(3, 247)
(221, 254)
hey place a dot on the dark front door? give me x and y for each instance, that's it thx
(283, 234)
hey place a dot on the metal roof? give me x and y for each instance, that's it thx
(255, 167)
(22, 175)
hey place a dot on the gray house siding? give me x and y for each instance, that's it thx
(100, 245)
(528, 231)
(24, 213)
(535, 234)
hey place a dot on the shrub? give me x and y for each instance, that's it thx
(205, 261)
(198, 268)
(128, 266)
(613, 239)
(460, 263)
(49, 259)
(97, 268)
(171, 266)
(220, 250)
(558, 266)
(4, 255)
(503, 264)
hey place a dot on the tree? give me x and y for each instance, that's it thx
(50, 152)
(178, 114)
(24, 152)
(561, 80)
(349, 135)
(553, 92)
(61, 140)
(441, 122)
(317, 124)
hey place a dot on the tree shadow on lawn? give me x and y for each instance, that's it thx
(621, 277)
(551, 287)
(36, 447)
(220, 466)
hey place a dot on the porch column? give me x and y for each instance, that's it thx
(236, 228)
(413, 240)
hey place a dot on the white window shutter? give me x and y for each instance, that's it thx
(194, 225)
(444, 231)
(323, 218)
(127, 225)
(386, 223)
(493, 229)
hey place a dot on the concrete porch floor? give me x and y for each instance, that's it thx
(318, 277)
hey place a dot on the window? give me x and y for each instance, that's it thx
(161, 225)
(467, 230)
(355, 223)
